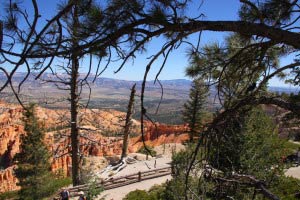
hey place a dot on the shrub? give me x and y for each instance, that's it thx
(143, 150)
(137, 195)
(9, 195)
(156, 192)
(286, 188)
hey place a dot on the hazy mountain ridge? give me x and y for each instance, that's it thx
(176, 84)
(101, 81)
(109, 93)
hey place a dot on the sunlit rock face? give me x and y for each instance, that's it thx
(8, 180)
(159, 134)
(101, 135)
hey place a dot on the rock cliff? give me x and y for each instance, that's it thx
(8, 180)
(100, 136)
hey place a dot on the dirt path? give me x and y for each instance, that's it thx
(293, 172)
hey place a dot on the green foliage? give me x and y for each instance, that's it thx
(156, 192)
(291, 147)
(194, 108)
(226, 148)
(176, 188)
(262, 149)
(9, 195)
(271, 12)
(137, 195)
(233, 69)
(143, 150)
(286, 187)
(93, 190)
(33, 169)
(250, 146)
(87, 177)
(53, 185)
(181, 159)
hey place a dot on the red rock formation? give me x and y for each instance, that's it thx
(91, 143)
(159, 134)
(8, 180)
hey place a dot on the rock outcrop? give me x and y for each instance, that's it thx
(100, 136)
(159, 134)
(8, 180)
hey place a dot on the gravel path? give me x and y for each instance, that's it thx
(293, 172)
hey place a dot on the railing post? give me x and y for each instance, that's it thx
(140, 176)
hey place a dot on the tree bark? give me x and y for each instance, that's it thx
(128, 122)
(277, 35)
(74, 123)
(74, 104)
(245, 28)
(1, 33)
(251, 181)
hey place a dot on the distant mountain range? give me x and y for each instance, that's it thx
(108, 93)
(176, 84)
(103, 82)
(287, 90)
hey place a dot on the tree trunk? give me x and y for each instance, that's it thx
(74, 123)
(74, 105)
(194, 116)
(128, 122)
(1, 33)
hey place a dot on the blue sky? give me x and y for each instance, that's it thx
(178, 61)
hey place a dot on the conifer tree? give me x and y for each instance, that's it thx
(194, 107)
(33, 169)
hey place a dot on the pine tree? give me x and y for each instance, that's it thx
(33, 169)
(194, 108)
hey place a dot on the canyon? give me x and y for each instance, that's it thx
(100, 131)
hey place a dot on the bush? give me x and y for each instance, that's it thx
(157, 192)
(55, 184)
(286, 188)
(88, 177)
(143, 150)
(93, 190)
(137, 195)
(9, 195)
(52, 187)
